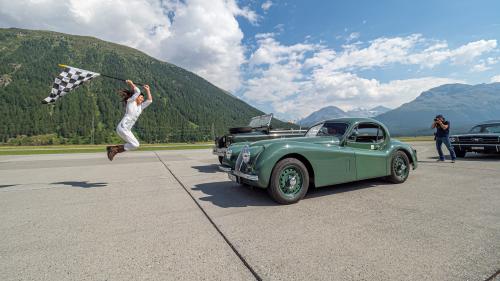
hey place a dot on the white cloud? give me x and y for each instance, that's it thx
(266, 5)
(472, 50)
(301, 78)
(353, 36)
(495, 78)
(380, 52)
(271, 51)
(135, 23)
(206, 39)
(403, 50)
(485, 64)
(480, 67)
(492, 61)
(235, 9)
(201, 36)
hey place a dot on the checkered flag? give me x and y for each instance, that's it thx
(70, 79)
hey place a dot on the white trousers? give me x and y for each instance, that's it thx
(131, 142)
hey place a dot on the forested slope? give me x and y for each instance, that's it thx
(186, 107)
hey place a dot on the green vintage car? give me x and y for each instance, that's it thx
(332, 152)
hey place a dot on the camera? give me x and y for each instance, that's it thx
(435, 119)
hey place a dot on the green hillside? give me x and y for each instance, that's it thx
(186, 107)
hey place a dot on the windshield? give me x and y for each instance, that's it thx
(328, 129)
(260, 121)
(486, 129)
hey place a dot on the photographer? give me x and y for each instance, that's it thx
(442, 136)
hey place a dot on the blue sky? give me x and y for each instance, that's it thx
(335, 23)
(294, 57)
(457, 22)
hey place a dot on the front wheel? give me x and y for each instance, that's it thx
(400, 167)
(289, 181)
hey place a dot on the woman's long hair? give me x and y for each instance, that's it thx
(125, 94)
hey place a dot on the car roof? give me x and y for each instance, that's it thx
(492, 122)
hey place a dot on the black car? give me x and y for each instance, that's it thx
(482, 138)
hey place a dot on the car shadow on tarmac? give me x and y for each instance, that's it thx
(82, 184)
(209, 169)
(346, 187)
(7, 185)
(228, 194)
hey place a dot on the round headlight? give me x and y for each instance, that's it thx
(245, 154)
(229, 152)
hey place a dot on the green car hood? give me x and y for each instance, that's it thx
(237, 147)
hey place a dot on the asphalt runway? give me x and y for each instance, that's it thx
(171, 215)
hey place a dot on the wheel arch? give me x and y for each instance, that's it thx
(408, 154)
(305, 161)
(393, 151)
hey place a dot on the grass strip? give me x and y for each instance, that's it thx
(94, 150)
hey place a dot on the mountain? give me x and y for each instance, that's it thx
(328, 112)
(186, 107)
(331, 112)
(362, 112)
(379, 110)
(463, 105)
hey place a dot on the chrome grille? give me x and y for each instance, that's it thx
(479, 139)
(240, 165)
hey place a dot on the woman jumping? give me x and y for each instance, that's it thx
(135, 104)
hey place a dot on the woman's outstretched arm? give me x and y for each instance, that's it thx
(134, 89)
(150, 97)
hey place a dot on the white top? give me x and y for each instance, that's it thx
(133, 111)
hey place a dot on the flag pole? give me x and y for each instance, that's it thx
(104, 75)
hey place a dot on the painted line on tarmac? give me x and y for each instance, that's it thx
(242, 259)
(492, 277)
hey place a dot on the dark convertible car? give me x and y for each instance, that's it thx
(482, 138)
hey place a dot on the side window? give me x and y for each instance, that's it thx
(367, 133)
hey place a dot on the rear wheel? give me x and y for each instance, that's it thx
(289, 181)
(400, 167)
(460, 153)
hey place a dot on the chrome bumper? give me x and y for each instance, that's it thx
(225, 169)
(245, 176)
(234, 175)
(219, 151)
(472, 146)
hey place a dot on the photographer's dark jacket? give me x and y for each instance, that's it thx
(443, 133)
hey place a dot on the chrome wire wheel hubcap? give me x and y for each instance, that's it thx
(400, 167)
(290, 181)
